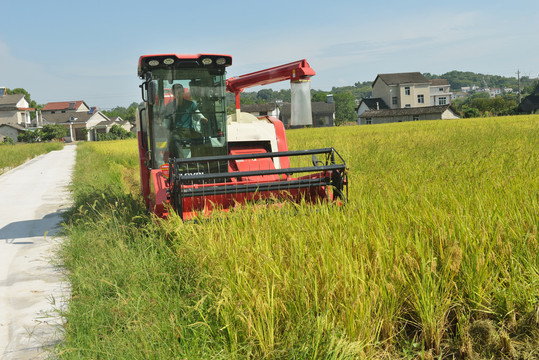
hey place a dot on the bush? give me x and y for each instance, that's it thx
(471, 112)
(116, 133)
(52, 132)
(8, 141)
(30, 136)
(47, 133)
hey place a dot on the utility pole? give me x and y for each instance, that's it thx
(519, 95)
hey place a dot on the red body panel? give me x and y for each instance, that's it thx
(144, 171)
(292, 71)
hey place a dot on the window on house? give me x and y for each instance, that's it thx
(394, 100)
(415, 118)
(407, 90)
(442, 101)
(441, 89)
(420, 99)
(368, 121)
(407, 106)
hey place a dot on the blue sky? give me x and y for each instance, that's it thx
(65, 50)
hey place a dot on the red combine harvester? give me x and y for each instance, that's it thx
(196, 159)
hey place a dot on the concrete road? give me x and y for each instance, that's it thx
(32, 199)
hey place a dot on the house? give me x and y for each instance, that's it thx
(440, 92)
(495, 92)
(323, 114)
(467, 89)
(11, 131)
(530, 104)
(65, 106)
(402, 90)
(81, 125)
(369, 104)
(270, 109)
(124, 124)
(406, 97)
(14, 110)
(444, 112)
(459, 95)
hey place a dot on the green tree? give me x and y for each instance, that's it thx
(30, 136)
(127, 114)
(52, 132)
(266, 95)
(116, 133)
(345, 108)
(471, 112)
(318, 96)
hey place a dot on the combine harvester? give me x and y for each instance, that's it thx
(196, 159)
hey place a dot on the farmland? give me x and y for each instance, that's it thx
(434, 256)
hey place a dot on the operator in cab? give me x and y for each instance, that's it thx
(184, 121)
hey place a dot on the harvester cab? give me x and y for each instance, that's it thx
(194, 158)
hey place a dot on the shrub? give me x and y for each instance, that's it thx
(8, 141)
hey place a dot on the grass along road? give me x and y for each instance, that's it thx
(14, 155)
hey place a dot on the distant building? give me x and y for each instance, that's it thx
(367, 105)
(440, 112)
(15, 110)
(406, 97)
(11, 131)
(65, 106)
(402, 90)
(440, 92)
(323, 114)
(269, 109)
(495, 92)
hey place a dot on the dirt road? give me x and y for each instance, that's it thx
(32, 199)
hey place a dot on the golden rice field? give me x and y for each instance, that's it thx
(434, 256)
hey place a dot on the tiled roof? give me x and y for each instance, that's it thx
(63, 105)
(316, 108)
(403, 78)
(373, 103)
(258, 107)
(439, 82)
(64, 117)
(16, 127)
(10, 101)
(405, 111)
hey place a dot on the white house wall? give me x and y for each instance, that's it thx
(362, 108)
(95, 119)
(449, 115)
(23, 103)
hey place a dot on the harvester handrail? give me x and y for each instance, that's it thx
(255, 187)
(257, 156)
(239, 174)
